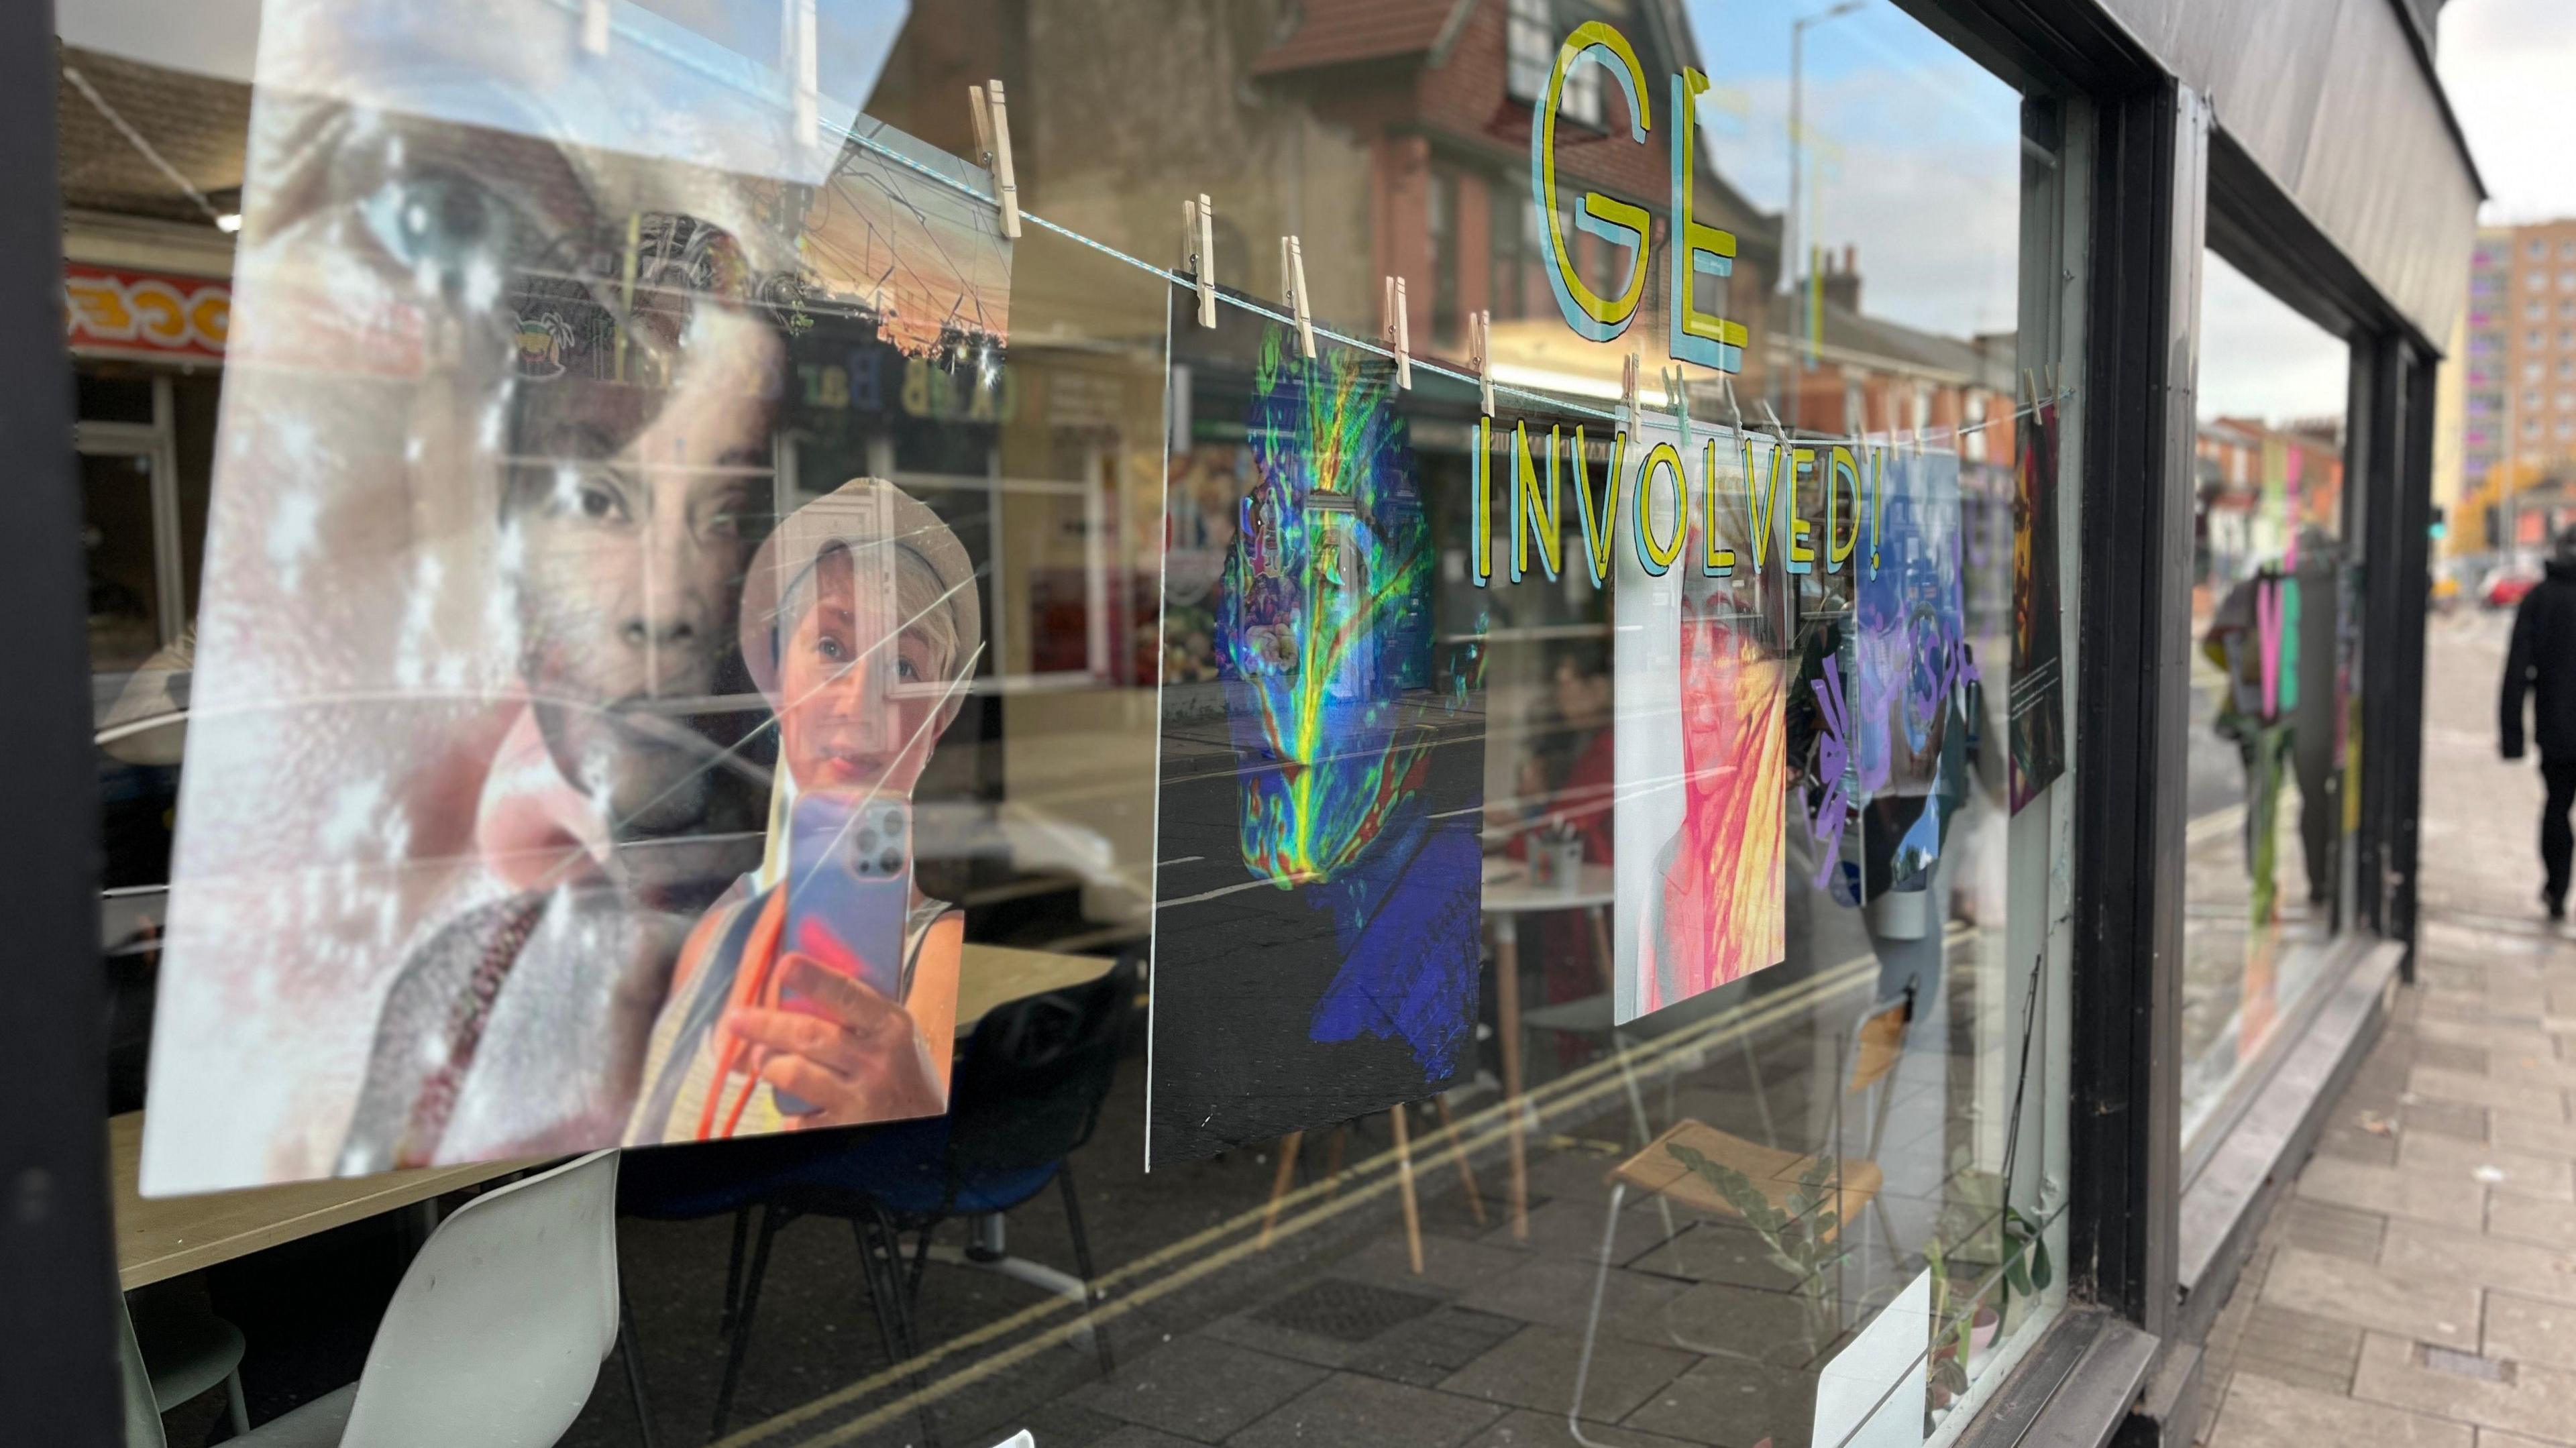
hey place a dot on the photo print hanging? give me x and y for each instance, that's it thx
(549, 773)
(1322, 743)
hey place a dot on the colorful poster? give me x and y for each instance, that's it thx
(1914, 670)
(1322, 751)
(2038, 711)
(548, 780)
(1702, 735)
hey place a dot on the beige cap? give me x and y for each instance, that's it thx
(935, 580)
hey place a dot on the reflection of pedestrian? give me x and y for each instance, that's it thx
(2274, 638)
(2542, 661)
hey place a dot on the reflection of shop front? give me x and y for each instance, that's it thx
(149, 349)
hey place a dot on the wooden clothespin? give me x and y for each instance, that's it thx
(2030, 384)
(1726, 386)
(808, 88)
(1292, 285)
(1773, 418)
(1198, 251)
(993, 140)
(1628, 387)
(1399, 333)
(594, 26)
(1480, 349)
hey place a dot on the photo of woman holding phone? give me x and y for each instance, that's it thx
(822, 989)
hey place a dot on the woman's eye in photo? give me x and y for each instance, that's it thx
(442, 225)
(599, 501)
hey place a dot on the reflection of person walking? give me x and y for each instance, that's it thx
(2543, 660)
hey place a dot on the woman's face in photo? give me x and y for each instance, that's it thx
(838, 727)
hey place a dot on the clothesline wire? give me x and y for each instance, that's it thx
(1917, 437)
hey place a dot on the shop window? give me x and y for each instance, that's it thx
(791, 499)
(2270, 861)
(1509, 229)
(1447, 316)
(1532, 36)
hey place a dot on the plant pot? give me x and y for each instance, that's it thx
(1981, 1333)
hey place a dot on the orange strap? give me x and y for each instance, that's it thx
(753, 985)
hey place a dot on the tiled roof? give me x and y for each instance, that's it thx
(1338, 32)
(198, 124)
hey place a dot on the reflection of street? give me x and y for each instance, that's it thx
(2237, 980)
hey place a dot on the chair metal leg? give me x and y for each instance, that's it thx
(1082, 1262)
(629, 1348)
(883, 1254)
(771, 1219)
(238, 1410)
(733, 1272)
(880, 1292)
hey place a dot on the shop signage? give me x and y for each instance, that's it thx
(1697, 250)
(1654, 489)
(146, 313)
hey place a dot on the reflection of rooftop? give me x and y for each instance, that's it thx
(1852, 336)
(1339, 32)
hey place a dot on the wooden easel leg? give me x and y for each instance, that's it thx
(1333, 1161)
(1457, 1143)
(1404, 1179)
(1287, 1173)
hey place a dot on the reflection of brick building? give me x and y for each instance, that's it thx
(1866, 374)
(2258, 484)
(1391, 136)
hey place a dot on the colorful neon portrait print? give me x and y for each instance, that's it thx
(1704, 788)
(1910, 664)
(1323, 644)
(1721, 915)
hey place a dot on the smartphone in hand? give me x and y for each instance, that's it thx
(849, 887)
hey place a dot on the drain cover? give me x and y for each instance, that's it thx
(2467, 1364)
(1345, 1311)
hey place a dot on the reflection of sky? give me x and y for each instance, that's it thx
(2258, 358)
(1927, 180)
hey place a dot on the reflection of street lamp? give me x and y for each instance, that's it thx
(1797, 160)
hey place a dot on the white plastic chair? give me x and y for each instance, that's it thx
(497, 1332)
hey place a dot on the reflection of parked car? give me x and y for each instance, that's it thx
(2505, 587)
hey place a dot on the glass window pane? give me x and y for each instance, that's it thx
(710, 632)
(2273, 774)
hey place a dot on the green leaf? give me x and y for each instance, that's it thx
(2016, 1275)
(2040, 1276)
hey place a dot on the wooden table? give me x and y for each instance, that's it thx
(995, 975)
(1508, 896)
(163, 1237)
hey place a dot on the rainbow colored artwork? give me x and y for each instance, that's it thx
(1324, 644)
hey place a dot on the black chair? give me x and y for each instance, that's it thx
(1024, 1097)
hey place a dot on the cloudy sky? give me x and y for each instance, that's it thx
(2510, 69)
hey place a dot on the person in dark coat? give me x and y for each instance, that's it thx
(2542, 661)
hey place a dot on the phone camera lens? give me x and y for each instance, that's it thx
(867, 841)
(890, 862)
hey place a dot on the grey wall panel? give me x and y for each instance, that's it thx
(2332, 100)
